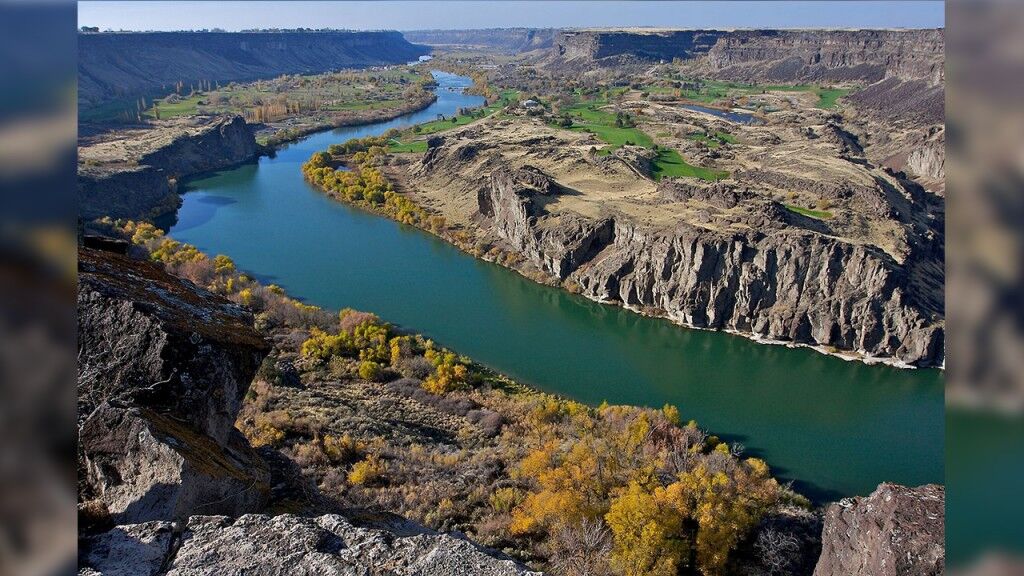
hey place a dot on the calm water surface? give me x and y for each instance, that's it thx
(837, 428)
(738, 117)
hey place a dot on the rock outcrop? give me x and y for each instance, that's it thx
(275, 545)
(503, 40)
(762, 55)
(134, 174)
(163, 367)
(128, 65)
(894, 531)
(780, 284)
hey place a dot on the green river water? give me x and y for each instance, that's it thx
(835, 428)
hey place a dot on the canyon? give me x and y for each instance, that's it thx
(117, 66)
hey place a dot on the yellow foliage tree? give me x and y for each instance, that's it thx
(647, 530)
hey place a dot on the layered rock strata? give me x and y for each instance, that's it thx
(134, 174)
(773, 280)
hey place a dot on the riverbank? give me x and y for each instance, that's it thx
(472, 240)
(274, 135)
(133, 171)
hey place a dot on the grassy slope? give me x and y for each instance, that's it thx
(819, 214)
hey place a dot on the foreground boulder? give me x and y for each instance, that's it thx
(896, 531)
(258, 545)
(163, 368)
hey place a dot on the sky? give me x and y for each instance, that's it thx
(406, 15)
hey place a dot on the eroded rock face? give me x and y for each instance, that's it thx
(929, 160)
(260, 545)
(114, 65)
(133, 175)
(894, 531)
(163, 368)
(779, 284)
(514, 199)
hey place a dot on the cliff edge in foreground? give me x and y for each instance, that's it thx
(168, 485)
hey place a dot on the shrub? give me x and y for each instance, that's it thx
(504, 500)
(367, 472)
(370, 371)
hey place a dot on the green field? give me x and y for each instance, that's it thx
(670, 163)
(413, 146)
(587, 117)
(827, 97)
(184, 107)
(819, 214)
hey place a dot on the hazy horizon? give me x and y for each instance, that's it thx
(438, 15)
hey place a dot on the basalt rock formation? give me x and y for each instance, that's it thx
(503, 40)
(271, 545)
(128, 65)
(163, 367)
(762, 55)
(789, 286)
(133, 173)
(895, 531)
(167, 485)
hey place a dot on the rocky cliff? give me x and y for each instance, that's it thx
(763, 55)
(132, 173)
(163, 367)
(894, 531)
(788, 285)
(115, 66)
(167, 484)
(504, 40)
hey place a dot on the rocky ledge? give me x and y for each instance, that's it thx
(259, 545)
(163, 367)
(895, 531)
(167, 484)
(133, 173)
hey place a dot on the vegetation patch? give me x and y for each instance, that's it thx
(619, 130)
(819, 214)
(713, 140)
(670, 163)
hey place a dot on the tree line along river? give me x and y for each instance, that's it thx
(835, 428)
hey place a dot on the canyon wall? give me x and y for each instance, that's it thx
(503, 40)
(774, 282)
(134, 175)
(114, 66)
(764, 55)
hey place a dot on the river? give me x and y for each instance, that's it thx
(836, 428)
